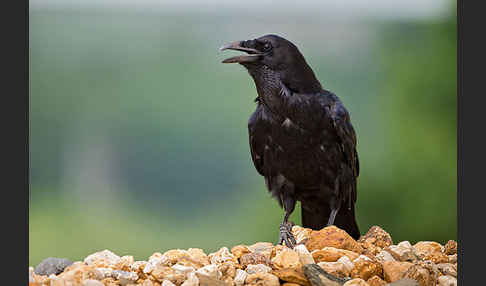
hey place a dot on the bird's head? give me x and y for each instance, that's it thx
(279, 56)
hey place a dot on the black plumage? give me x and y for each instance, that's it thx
(301, 138)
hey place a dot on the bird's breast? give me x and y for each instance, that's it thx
(303, 156)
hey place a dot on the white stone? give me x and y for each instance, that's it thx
(240, 277)
(105, 255)
(362, 257)
(137, 264)
(102, 273)
(31, 274)
(148, 268)
(92, 282)
(348, 264)
(446, 280)
(221, 256)
(191, 280)
(167, 283)
(210, 271)
(304, 255)
(384, 256)
(183, 268)
(258, 268)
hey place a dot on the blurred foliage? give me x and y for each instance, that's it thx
(138, 139)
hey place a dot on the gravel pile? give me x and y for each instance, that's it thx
(328, 257)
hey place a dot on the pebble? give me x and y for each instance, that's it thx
(258, 268)
(373, 260)
(52, 265)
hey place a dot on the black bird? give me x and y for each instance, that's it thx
(301, 137)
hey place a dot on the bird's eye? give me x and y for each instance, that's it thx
(267, 47)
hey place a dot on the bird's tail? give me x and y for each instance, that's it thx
(316, 217)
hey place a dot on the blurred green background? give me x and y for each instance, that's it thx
(138, 136)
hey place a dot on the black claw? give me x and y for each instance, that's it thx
(286, 235)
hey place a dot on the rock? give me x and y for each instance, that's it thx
(31, 275)
(102, 273)
(394, 270)
(452, 258)
(404, 282)
(91, 282)
(138, 266)
(263, 248)
(77, 272)
(334, 237)
(240, 277)
(148, 282)
(402, 252)
(56, 281)
(332, 254)
(383, 256)
(239, 250)
(125, 277)
(421, 275)
(103, 258)
(348, 264)
(228, 271)
(376, 281)
(253, 259)
(170, 257)
(430, 250)
(375, 240)
(221, 256)
(124, 263)
(301, 234)
(287, 258)
(262, 279)
(362, 257)
(191, 280)
(205, 280)
(52, 265)
(156, 259)
(447, 269)
(450, 248)
(304, 254)
(356, 282)
(149, 267)
(258, 268)
(446, 280)
(277, 249)
(290, 284)
(366, 268)
(196, 258)
(319, 277)
(211, 271)
(162, 273)
(293, 275)
(182, 268)
(335, 268)
(166, 283)
(110, 282)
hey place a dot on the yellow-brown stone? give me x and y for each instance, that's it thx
(334, 237)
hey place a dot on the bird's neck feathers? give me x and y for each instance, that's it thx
(296, 80)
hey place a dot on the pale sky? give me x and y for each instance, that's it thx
(339, 8)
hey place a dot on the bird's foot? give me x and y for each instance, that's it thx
(286, 235)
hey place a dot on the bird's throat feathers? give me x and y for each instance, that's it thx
(272, 85)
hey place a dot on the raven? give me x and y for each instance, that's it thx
(301, 138)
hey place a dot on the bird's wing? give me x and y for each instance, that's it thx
(347, 139)
(257, 146)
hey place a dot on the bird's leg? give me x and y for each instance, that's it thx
(332, 216)
(285, 234)
(334, 204)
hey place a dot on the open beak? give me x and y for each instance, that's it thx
(252, 54)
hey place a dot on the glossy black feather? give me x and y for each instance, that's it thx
(301, 138)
